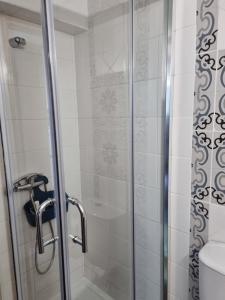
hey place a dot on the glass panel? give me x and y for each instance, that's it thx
(30, 155)
(94, 108)
(149, 56)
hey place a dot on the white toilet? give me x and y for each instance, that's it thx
(212, 271)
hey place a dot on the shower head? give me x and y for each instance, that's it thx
(17, 42)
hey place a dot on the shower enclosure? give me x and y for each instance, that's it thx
(85, 92)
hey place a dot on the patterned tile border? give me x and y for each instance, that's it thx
(218, 169)
(198, 238)
(201, 164)
(206, 146)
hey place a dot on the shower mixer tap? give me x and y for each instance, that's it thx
(27, 183)
(32, 183)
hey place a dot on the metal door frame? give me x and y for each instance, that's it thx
(167, 101)
(48, 33)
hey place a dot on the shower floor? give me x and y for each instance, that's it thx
(85, 290)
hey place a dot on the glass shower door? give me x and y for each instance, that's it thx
(93, 68)
(115, 146)
(29, 157)
(151, 143)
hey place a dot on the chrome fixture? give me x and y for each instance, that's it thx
(77, 240)
(48, 31)
(83, 241)
(26, 183)
(17, 42)
(167, 87)
(40, 240)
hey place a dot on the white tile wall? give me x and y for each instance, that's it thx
(101, 5)
(180, 176)
(79, 6)
(182, 93)
(178, 282)
(180, 212)
(185, 13)
(146, 289)
(184, 39)
(185, 50)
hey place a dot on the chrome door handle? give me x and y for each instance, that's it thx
(40, 240)
(83, 241)
(80, 241)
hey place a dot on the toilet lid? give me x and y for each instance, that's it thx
(213, 256)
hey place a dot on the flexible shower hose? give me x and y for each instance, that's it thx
(42, 272)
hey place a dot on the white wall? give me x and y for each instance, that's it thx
(101, 5)
(78, 6)
(184, 41)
